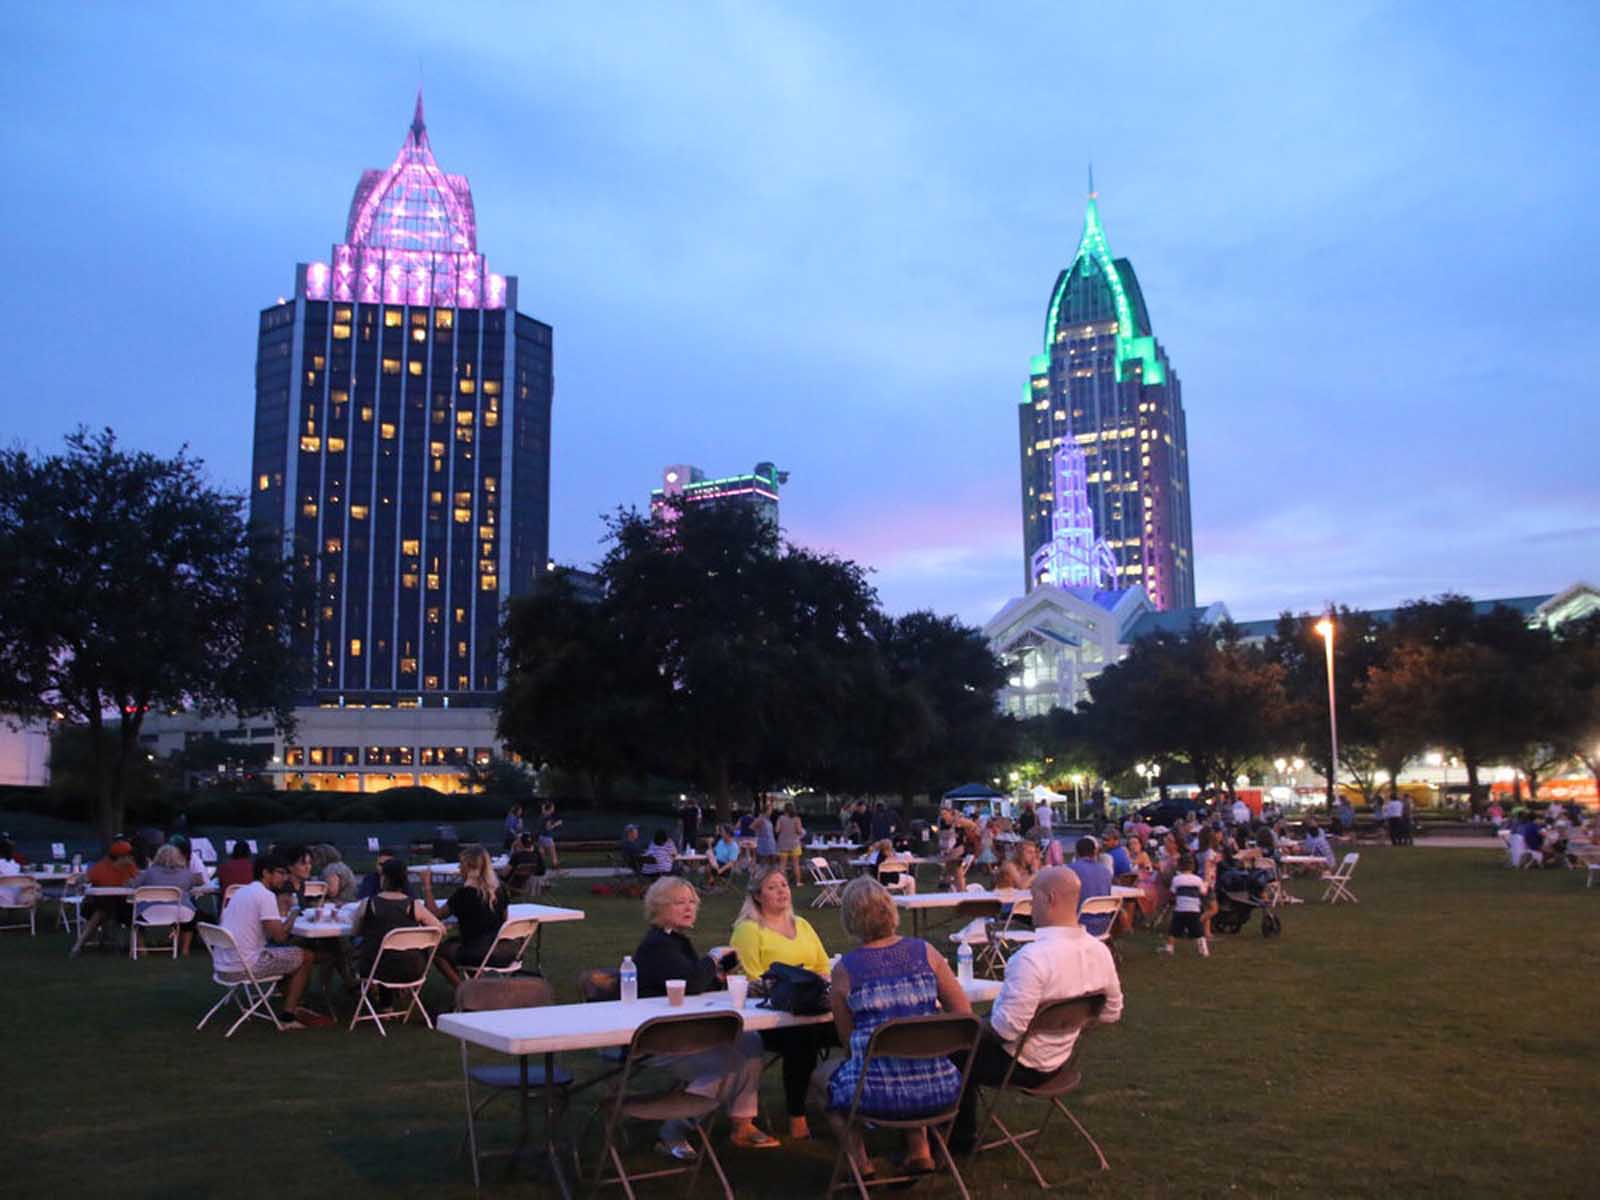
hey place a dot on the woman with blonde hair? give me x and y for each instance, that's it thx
(885, 977)
(1020, 868)
(479, 906)
(767, 931)
(892, 868)
(170, 868)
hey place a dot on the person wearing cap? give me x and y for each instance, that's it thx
(632, 849)
(254, 921)
(116, 869)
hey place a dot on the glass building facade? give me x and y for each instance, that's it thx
(402, 444)
(1103, 381)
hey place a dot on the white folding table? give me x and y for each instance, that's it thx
(554, 1028)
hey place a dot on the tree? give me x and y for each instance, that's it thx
(722, 655)
(1572, 686)
(1360, 643)
(934, 722)
(576, 694)
(132, 584)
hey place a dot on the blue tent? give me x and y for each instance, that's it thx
(974, 791)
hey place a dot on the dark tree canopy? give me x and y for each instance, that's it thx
(719, 654)
(132, 584)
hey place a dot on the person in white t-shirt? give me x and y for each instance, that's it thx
(1188, 900)
(253, 918)
(1062, 962)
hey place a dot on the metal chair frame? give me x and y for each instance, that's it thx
(1339, 881)
(518, 931)
(657, 1040)
(415, 937)
(29, 894)
(258, 989)
(830, 893)
(1056, 1016)
(940, 1035)
(165, 896)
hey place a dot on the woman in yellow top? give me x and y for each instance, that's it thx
(766, 931)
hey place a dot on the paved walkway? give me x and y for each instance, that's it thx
(1460, 842)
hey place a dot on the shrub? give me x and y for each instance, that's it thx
(239, 808)
(363, 811)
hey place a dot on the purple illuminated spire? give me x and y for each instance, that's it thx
(411, 237)
(1073, 557)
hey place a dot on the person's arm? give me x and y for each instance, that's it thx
(813, 956)
(1018, 1000)
(746, 943)
(1111, 1013)
(434, 906)
(839, 1001)
(424, 915)
(952, 999)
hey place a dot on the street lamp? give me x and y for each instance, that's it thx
(1325, 628)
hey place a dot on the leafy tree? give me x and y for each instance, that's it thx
(1360, 642)
(932, 722)
(1572, 690)
(576, 693)
(133, 584)
(723, 657)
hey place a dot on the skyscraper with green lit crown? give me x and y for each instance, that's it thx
(1103, 380)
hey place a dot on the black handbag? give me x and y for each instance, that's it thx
(795, 990)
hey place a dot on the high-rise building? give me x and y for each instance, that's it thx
(402, 444)
(688, 485)
(1104, 382)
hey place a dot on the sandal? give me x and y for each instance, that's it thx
(753, 1138)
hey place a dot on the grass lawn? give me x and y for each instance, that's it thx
(1438, 1039)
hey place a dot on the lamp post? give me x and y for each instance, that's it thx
(1325, 628)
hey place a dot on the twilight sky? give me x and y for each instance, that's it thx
(825, 234)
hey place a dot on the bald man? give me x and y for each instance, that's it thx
(1062, 962)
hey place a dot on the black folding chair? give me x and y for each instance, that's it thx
(1055, 1018)
(941, 1035)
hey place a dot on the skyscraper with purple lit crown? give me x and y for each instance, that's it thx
(402, 443)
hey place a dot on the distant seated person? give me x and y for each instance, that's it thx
(632, 850)
(170, 868)
(390, 908)
(372, 882)
(662, 856)
(252, 917)
(892, 868)
(525, 863)
(724, 854)
(1094, 879)
(341, 881)
(1111, 844)
(479, 906)
(236, 870)
(1019, 870)
(116, 869)
(1316, 845)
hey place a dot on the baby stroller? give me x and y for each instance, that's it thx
(1240, 893)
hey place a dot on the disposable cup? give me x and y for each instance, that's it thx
(738, 989)
(675, 990)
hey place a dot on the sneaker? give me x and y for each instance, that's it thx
(1163, 949)
(310, 1018)
(1205, 950)
(678, 1148)
(287, 1021)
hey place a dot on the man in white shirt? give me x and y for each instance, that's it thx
(252, 917)
(1062, 962)
(1240, 812)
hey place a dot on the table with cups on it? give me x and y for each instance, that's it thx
(557, 1028)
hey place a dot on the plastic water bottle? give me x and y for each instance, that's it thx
(964, 963)
(628, 978)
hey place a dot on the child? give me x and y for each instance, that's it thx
(548, 824)
(662, 855)
(1188, 892)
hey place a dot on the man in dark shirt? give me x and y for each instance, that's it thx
(632, 849)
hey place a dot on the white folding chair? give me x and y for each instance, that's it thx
(156, 908)
(397, 941)
(516, 934)
(242, 982)
(830, 888)
(20, 893)
(993, 943)
(207, 852)
(69, 905)
(1101, 906)
(1339, 881)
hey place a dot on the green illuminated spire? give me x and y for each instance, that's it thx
(1092, 249)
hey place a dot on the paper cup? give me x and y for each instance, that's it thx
(738, 989)
(675, 990)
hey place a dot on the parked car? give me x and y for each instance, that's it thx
(1167, 812)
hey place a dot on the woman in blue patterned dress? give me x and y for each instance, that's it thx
(885, 977)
